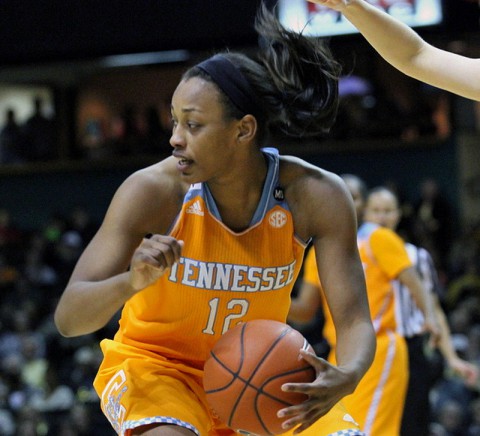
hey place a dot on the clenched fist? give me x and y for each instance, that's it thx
(151, 258)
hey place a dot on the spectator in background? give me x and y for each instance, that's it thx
(433, 222)
(155, 138)
(11, 140)
(7, 423)
(8, 275)
(128, 143)
(31, 422)
(34, 363)
(81, 221)
(39, 134)
(86, 361)
(474, 427)
(78, 422)
(55, 396)
(472, 353)
(466, 284)
(452, 418)
(66, 253)
(10, 235)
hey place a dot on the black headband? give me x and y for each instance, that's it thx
(233, 83)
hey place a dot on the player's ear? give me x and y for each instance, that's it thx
(247, 128)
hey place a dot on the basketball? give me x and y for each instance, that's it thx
(246, 369)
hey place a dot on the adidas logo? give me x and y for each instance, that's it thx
(348, 418)
(195, 208)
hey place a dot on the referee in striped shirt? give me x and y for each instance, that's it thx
(410, 323)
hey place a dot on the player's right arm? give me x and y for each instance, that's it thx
(466, 370)
(402, 47)
(120, 261)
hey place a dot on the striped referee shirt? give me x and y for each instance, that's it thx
(410, 320)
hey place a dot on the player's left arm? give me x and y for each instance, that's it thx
(342, 277)
(328, 216)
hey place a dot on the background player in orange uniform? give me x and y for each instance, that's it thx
(228, 225)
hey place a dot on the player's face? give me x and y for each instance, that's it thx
(382, 208)
(204, 141)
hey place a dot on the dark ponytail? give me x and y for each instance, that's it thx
(303, 97)
(294, 81)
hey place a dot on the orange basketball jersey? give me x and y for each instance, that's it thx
(383, 256)
(222, 278)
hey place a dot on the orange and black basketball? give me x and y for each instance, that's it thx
(246, 369)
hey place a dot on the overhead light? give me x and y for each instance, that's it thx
(150, 58)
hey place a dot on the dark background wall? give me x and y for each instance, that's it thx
(59, 30)
(33, 198)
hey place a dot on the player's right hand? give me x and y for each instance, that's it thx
(152, 258)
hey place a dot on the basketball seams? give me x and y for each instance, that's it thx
(247, 383)
(277, 376)
(284, 403)
(235, 374)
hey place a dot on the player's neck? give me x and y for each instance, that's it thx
(238, 199)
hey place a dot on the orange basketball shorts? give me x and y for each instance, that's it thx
(137, 387)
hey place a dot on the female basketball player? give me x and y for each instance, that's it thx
(214, 235)
(401, 46)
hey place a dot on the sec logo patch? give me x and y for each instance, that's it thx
(277, 219)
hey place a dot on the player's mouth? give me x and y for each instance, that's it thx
(183, 163)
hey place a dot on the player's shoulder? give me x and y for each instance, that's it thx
(384, 237)
(316, 197)
(159, 180)
(384, 232)
(150, 196)
(298, 174)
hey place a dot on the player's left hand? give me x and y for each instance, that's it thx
(330, 386)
